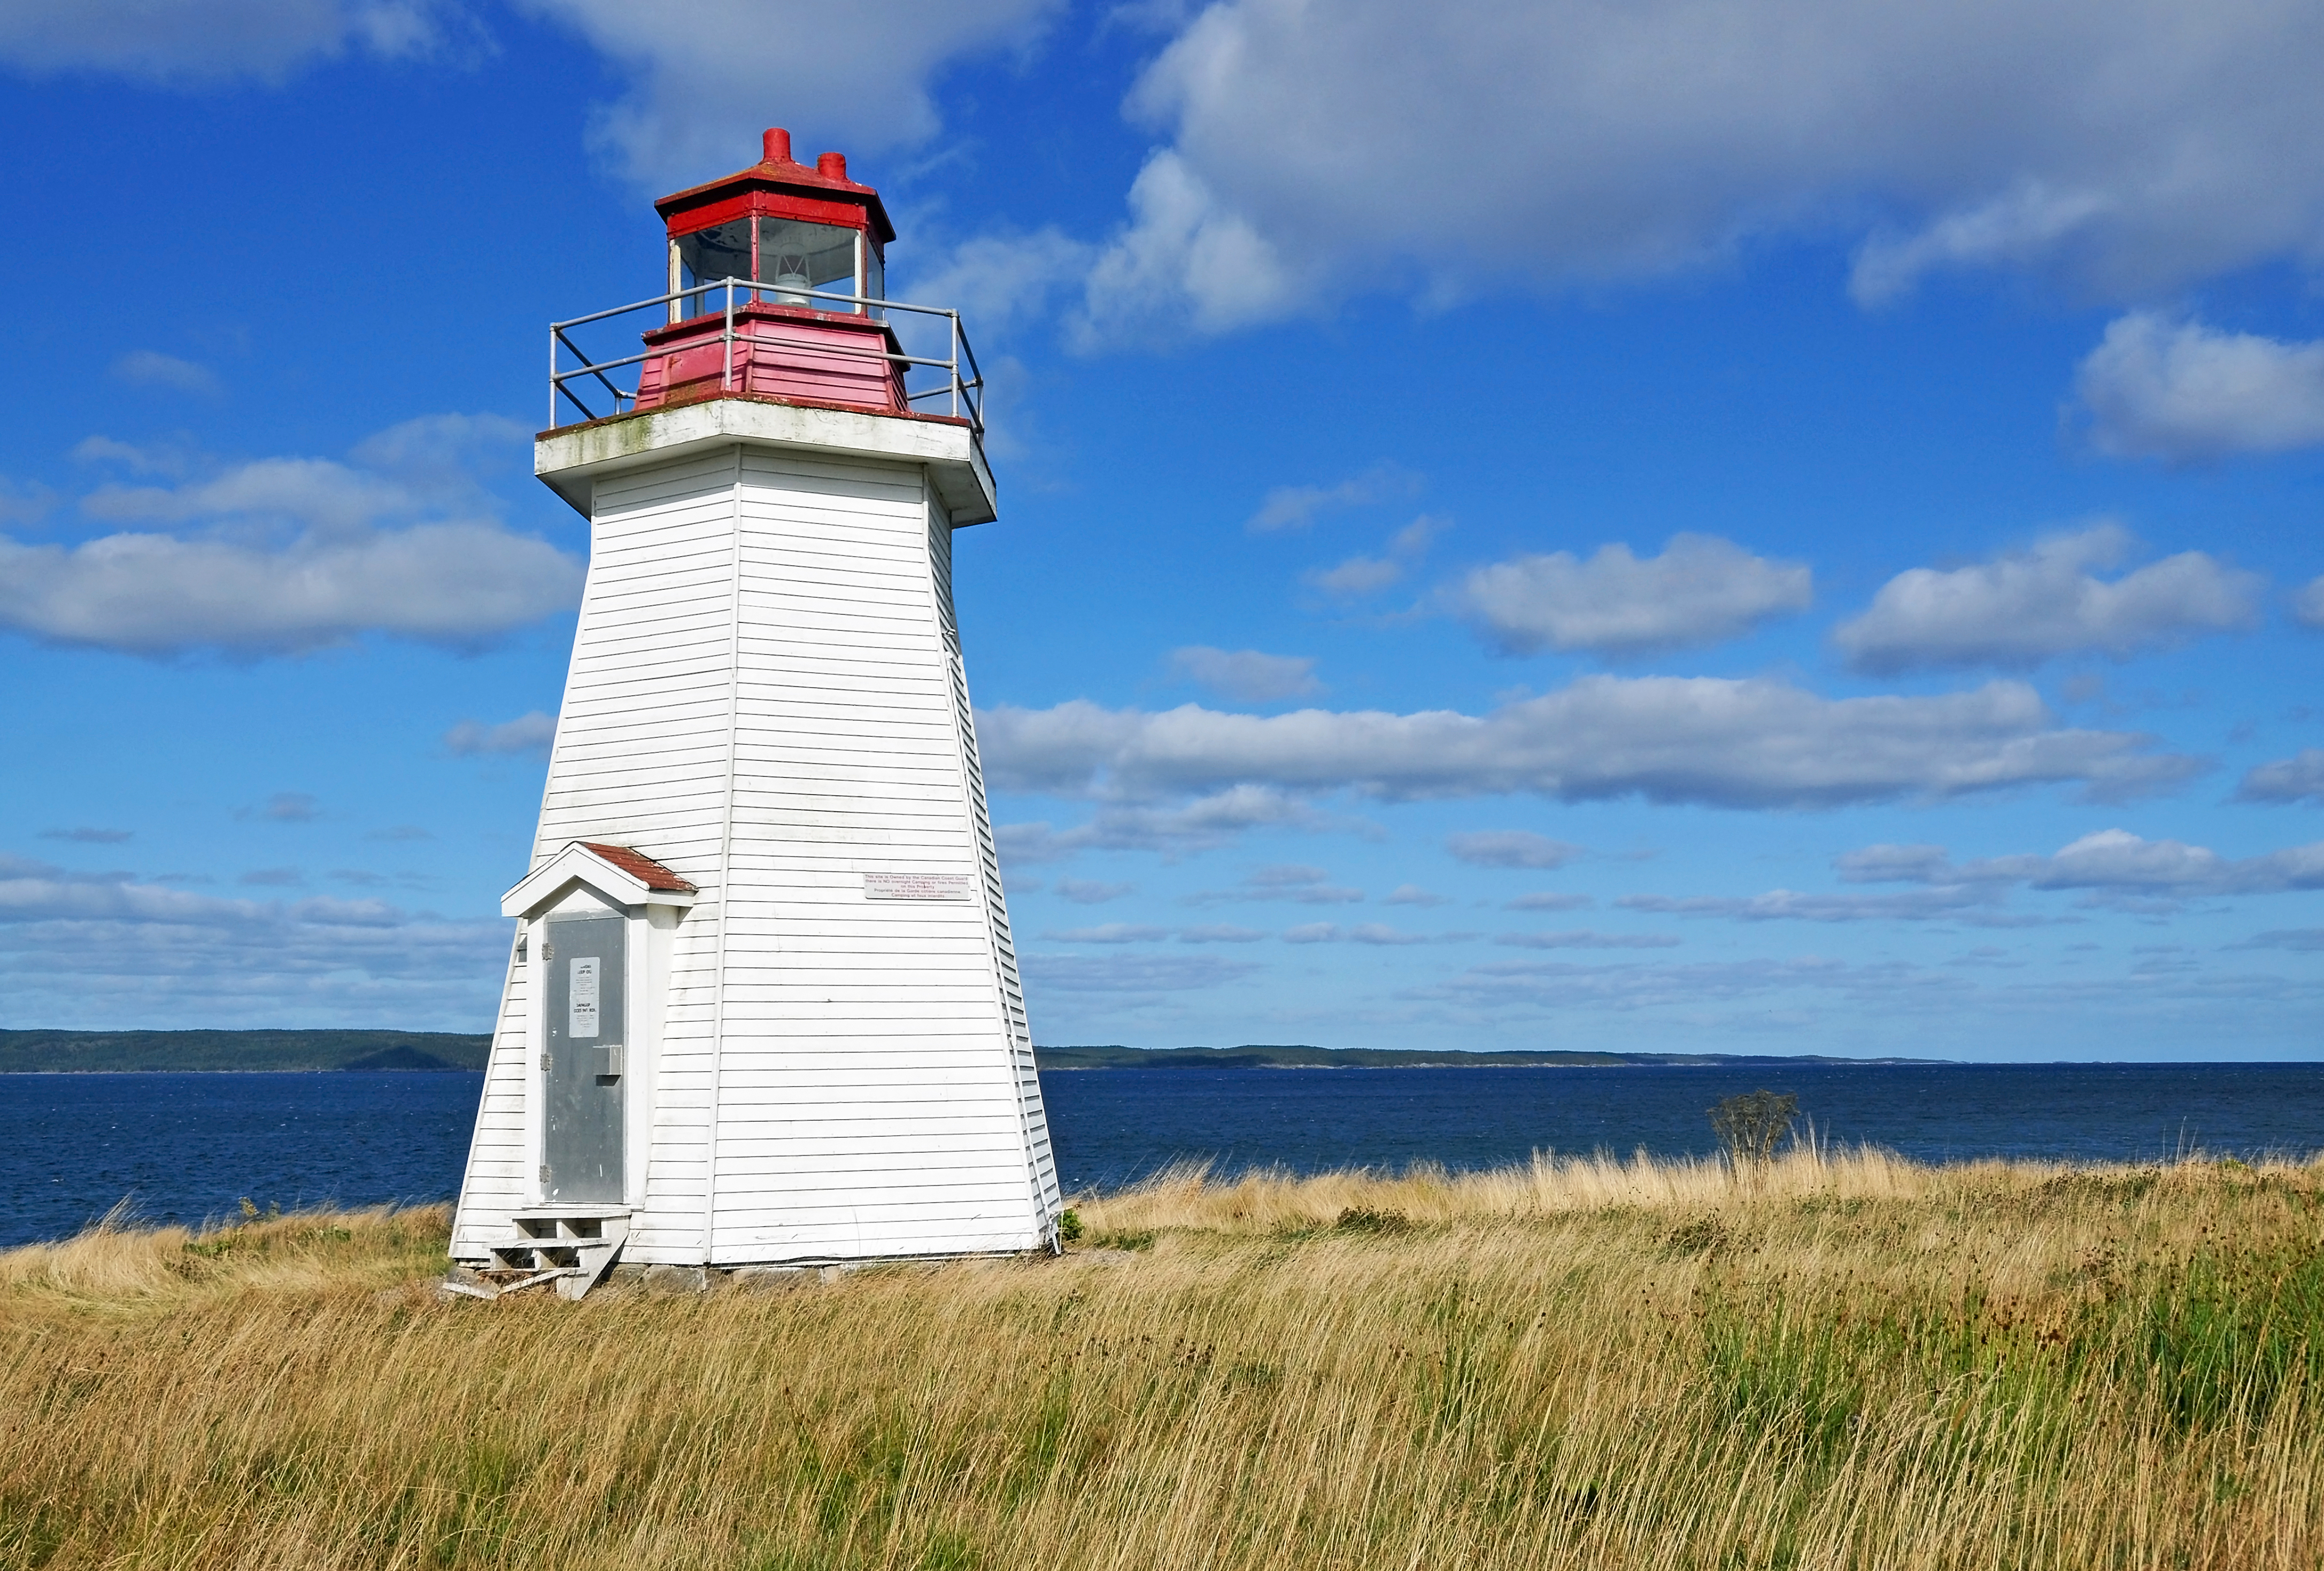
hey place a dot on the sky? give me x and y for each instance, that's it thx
(1733, 525)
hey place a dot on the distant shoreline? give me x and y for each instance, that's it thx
(69, 1052)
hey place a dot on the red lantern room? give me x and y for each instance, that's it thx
(776, 282)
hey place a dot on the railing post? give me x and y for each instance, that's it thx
(954, 366)
(726, 380)
(552, 379)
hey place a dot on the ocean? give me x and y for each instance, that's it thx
(183, 1148)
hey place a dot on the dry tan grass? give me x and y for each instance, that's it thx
(1849, 1361)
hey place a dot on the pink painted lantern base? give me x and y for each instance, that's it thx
(781, 352)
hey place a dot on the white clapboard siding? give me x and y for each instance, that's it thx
(766, 679)
(494, 1185)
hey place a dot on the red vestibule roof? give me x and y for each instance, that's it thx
(640, 866)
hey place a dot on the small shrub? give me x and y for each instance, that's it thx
(1703, 1235)
(1069, 1226)
(1363, 1219)
(1750, 1126)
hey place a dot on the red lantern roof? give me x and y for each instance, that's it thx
(778, 186)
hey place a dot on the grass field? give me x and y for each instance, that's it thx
(1836, 1361)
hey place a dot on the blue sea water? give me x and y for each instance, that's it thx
(183, 1148)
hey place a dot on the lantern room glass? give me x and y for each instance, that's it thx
(793, 256)
(796, 256)
(708, 256)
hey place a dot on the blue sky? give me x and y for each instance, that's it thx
(1753, 527)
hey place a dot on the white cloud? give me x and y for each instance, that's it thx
(1219, 933)
(283, 556)
(529, 733)
(1090, 892)
(2160, 388)
(1791, 905)
(187, 42)
(2029, 606)
(1110, 933)
(2297, 779)
(2309, 607)
(1547, 900)
(1285, 880)
(1586, 938)
(1378, 935)
(24, 503)
(1360, 575)
(1133, 974)
(2111, 860)
(1246, 675)
(1207, 821)
(1754, 742)
(150, 368)
(287, 807)
(2124, 148)
(705, 74)
(1701, 590)
(2305, 939)
(86, 835)
(1298, 506)
(1894, 865)
(1509, 848)
(109, 951)
(997, 281)
(457, 583)
(1414, 895)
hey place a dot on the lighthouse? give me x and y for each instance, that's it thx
(761, 1005)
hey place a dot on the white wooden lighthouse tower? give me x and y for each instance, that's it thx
(761, 1004)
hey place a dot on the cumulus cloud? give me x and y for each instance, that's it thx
(1285, 880)
(2309, 607)
(1133, 974)
(703, 74)
(1586, 938)
(1509, 848)
(1548, 900)
(1377, 934)
(2308, 941)
(1212, 819)
(2111, 860)
(1219, 933)
(2297, 779)
(1700, 591)
(111, 950)
(528, 733)
(1246, 675)
(289, 807)
(1090, 892)
(2124, 149)
(1366, 575)
(1298, 506)
(1782, 905)
(997, 281)
(1414, 895)
(2029, 606)
(1756, 743)
(87, 835)
(1110, 933)
(283, 556)
(190, 42)
(24, 503)
(2159, 387)
(150, 368)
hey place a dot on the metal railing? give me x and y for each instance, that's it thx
(962, 382)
